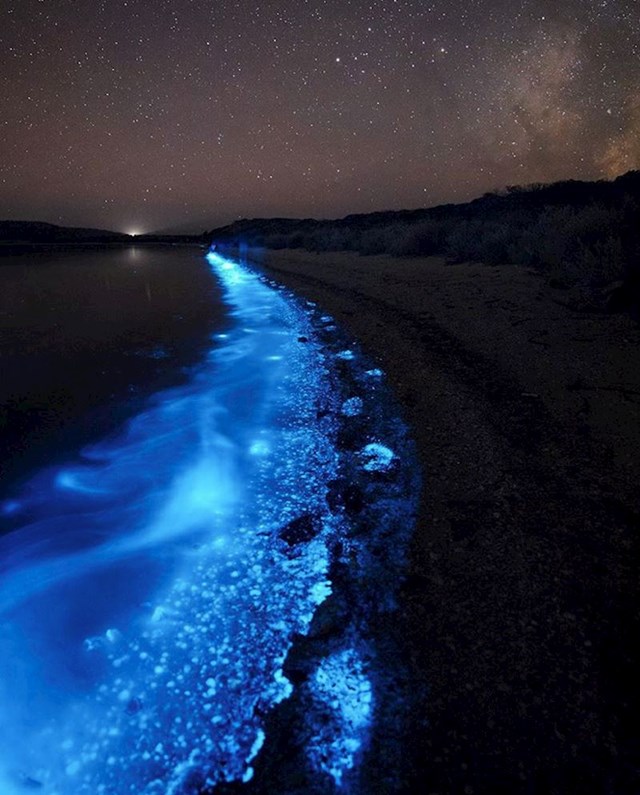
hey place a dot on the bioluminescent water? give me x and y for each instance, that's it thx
(153, 589)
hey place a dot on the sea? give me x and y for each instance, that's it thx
(190, 452)
(87, 336)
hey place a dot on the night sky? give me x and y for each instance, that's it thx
(142, 115)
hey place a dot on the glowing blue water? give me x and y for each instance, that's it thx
(147, 602)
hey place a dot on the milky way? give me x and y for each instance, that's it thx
(141, 115)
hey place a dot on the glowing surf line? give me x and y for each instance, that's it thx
(147, 605)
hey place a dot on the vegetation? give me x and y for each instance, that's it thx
(36, 232)
(584, 235)
(16, 236)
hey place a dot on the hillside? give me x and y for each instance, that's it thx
(37, 232)
(584, 235)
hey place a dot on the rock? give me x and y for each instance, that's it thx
(350, 435)
(134, 706)
(329, 620)
(346, 496)
(301, 530)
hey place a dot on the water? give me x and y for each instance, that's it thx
(86, 337)
(152, 584)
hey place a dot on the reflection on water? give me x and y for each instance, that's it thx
(86, 336)
(149, 595)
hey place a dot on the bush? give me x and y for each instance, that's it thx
(587, 233)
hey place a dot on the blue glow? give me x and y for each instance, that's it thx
(376, 457)
(343, 691)
(149, 600)
(10, 507)
(260, 448)
(352, 407)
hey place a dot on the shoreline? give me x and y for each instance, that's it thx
(311, 747)
(87, 339)
(520, 602)
(17, 248)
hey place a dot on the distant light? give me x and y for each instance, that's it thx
(133, 232)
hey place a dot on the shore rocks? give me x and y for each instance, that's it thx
(301, 530)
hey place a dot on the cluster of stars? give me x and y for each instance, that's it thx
(191, 112)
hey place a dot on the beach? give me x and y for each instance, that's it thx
(519, 605)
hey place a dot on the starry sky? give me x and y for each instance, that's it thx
(140, 115)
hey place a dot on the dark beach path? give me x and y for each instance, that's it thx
(520, 607)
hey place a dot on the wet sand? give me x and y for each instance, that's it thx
(519, 609)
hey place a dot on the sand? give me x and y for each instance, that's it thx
(520, 604)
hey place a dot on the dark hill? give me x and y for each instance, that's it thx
(37, 232)
(513, 200)
(584, 235)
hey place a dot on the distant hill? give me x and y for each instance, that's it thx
(527, 200)
(584, 235)
(37, 232)
(192, 229)
(174, 239)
